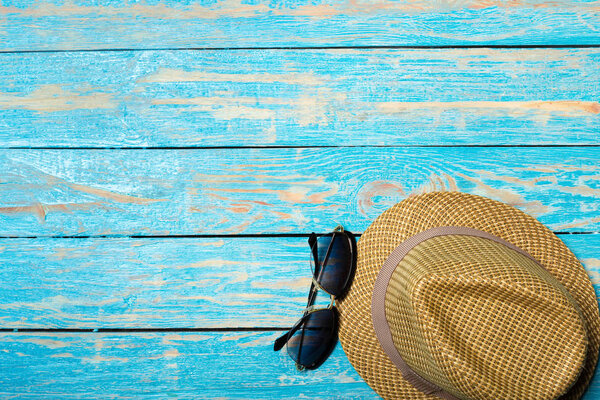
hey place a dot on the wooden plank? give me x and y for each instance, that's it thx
(300, 98)
(236, 365)
(160, 283)
(52, 24)
(264, 191)
(170, 283)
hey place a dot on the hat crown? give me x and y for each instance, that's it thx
(482, 321)
(363, 320)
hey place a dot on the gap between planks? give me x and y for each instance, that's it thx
(249, 235)
(134, 330)
(292, 147)
(284, 48)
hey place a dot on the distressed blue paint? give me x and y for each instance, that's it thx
(199, 365)
(241, 191)
(170, 283)
(163, 283)
(300, 97)
(54, 24)
(246, 98)
(238, 365)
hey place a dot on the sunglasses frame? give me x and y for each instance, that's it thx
(312, 295)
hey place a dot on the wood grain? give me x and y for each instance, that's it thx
(170, 282)
(237, 365)
(66, 25)
(300, 98)
(266, 191)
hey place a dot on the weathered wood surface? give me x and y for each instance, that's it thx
(237, 365)
(153, 283)
(300, 98)
(52, 24)
(170, 283)
(288, 190)
(240, 98)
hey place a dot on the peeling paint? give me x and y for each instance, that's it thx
(256, 178)
(209, 264)
(533, 183)
(571, 108)
(172, 339)
(221, 108)
(102, 359)
(55, 183)
(530, 183)
(178, 75)
(296, 284)
(311, 107)
(437, 183)
(170, 353)
(296, 194)
(53, 98)
(62, 355)
(555, 168)
(576, 224)
(594, 277)
(383, 188)
(48, 343)
(119, 198)
(241, 227)
(534, 208)
(239, 9)
(41, 210)
(591, 263)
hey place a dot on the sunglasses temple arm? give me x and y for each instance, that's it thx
(322, 267)
(312, 294)
(282, 340)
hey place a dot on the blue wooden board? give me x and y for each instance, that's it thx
(78, 24)
(279, 190)
(170, 282)
(301, 98)
(237, 365)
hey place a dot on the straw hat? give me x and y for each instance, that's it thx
(457, 296)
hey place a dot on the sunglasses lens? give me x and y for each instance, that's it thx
(333, 264)
(311, 344)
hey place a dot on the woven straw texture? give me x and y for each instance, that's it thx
(467, 313)
(473, 363)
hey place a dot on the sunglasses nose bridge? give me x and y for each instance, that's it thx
(313, 307)
(331, 301)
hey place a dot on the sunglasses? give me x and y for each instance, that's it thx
(312, 339)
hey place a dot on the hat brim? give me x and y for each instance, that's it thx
(436, 209)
